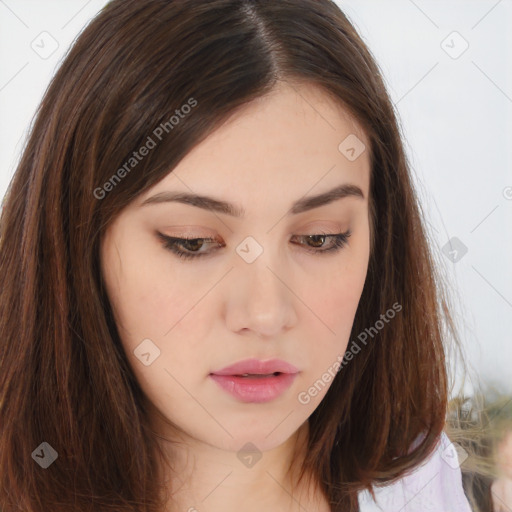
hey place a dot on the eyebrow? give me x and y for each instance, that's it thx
(210, 203)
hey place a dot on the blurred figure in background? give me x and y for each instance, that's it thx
(502, 487)
(481, 428)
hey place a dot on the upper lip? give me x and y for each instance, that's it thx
(257, 367)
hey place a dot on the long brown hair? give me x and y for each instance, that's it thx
(64, 378)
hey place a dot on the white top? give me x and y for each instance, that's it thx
(436, 485)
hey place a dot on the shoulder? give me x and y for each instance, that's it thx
(434, 485)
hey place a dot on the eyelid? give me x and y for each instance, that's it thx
(338, 242)
(212, 239)
(188, 232)
(312, 228)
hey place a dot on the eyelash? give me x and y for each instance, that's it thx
(172, 244)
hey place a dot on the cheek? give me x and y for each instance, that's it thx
(334, 297)
(153, 300)
(334, 300)
(328, 334)
(148, 293)
(335, 305)
(150, 306)
(333, 317)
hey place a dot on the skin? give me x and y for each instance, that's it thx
(206, 313)
(502, 487)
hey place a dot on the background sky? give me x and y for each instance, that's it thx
(448, 68)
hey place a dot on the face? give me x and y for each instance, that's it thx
(274, 281)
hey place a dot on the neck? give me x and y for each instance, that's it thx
(200, 477)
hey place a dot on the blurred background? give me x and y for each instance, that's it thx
(448, 68)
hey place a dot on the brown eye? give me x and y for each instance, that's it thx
(188, 248)
(192, 244)
(315, 241)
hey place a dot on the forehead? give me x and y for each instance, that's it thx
(277, 147)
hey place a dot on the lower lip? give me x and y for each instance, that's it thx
(255, 389)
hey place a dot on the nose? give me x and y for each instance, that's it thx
(261, 299)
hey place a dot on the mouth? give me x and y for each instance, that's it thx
(255, 381)
(254, 368)
(258, 375)
(255, 388)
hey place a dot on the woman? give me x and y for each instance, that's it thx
(217, 286)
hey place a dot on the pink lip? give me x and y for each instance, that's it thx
(256, 366)
(256, 389)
